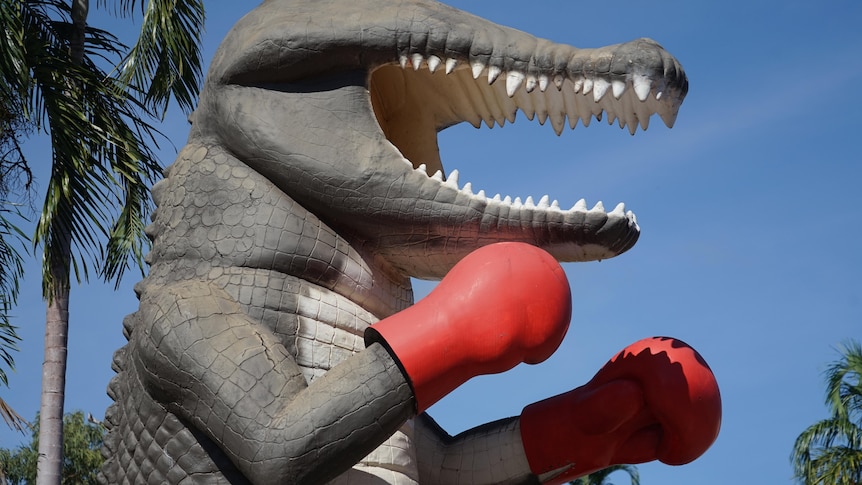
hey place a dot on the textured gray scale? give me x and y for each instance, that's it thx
(293, 219)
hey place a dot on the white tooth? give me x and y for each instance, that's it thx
(477, 67)
(438, 176)
(578, 83)
(618, 86)
(642, 86)
(507, 200)
(599, 207)
(481, 195)
(600, 87)
(588, 85)
(543, 82)
(555, 205)
(451, 63)
(496, 198)
(433, 63)
(452, 179)
(619, 210)
(417, 61)
(532, 82)
(493, 74)
(423, 168)
(580, 206)
(543, 202)
(403, 61)
(529, 202)
(513, 81)
(467, 188)
(517, 202)
(558, 81)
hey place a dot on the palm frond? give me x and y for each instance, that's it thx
(103, 160)
(166, 59)
(11, 272)
(830, 450)
(844, 381)
(12, 418)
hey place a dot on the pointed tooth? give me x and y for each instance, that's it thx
(481, 195)
(543, 116)
(477, 68)
(451, 64)
(417, 61)
(669, 117)
(588, 85)
(618, 87)
(467, 188)
(493, 74)
(497, 198)
(422, 168)
(599, 207)
(633, 126)
(438, 176)
(642, 85)
(529, 202)
(642, 110)
(532, 82)
(600, 87)
(433, 63)
(514, 79)
(543, 82)
(507, 200)
(558, 81)
(555, 204)
(558, 121)
(580, 206)
(403, 61)
(517, 202)
(452, 179)
(544, 202)
(619, 210)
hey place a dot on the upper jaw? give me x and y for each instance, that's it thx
(424, 76)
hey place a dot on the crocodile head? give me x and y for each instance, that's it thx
(340, 103)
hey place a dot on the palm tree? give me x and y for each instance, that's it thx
(102, 162)
(602, 477)
(15, 189)
(829, 452)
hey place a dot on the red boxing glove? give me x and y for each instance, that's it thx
(657, 399)
(503, 304)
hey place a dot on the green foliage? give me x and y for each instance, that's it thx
(602, 477)
(82, 459)
(829, 452)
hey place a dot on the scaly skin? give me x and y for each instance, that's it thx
(298, 211)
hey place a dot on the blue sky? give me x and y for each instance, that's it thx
(749, 210)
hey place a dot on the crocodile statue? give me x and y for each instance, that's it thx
(276, 339)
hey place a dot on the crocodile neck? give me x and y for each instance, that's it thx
(214, 212)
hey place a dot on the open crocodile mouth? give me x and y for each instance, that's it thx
(417, 96)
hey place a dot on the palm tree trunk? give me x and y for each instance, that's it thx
(50, 461)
